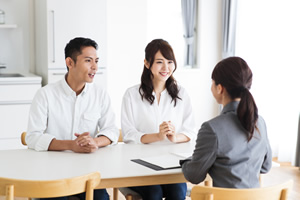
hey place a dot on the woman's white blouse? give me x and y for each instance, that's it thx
(139, 117)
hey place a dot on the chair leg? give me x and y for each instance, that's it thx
(208, 183)
(260, 180)
(284, 194)
(115, 193)
(10, 192)
(129, 197)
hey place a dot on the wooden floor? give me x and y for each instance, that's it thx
(275, 176)
(282, 174)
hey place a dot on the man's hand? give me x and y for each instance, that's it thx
(85, 142)
(80, 149)
(61, 145)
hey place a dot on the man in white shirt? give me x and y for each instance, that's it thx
(73, 114)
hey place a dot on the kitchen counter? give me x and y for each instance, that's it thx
(26, 78)
(16, 95)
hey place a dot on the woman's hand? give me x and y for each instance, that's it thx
(164, 130)
(171, 133)
(167, 129)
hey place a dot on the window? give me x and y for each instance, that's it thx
(164, 20)
(268, 38)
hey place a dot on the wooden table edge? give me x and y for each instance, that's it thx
(141, 181)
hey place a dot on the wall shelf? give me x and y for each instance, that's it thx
(8, 26)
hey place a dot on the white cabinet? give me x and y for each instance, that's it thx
(8, 26)
(57, 74)
(59, 21)
(15, 100)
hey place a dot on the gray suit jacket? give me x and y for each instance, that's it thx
(223, 151)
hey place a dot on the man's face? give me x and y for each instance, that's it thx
(86, 65)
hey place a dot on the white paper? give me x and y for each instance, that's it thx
(164, 161)
(183, 155)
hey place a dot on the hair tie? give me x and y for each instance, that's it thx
(243, 89)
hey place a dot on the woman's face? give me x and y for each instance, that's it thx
(161, 68)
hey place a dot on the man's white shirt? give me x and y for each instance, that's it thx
(56, 112)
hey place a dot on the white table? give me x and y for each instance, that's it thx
(113, 163)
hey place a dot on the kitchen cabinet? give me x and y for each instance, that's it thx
(59, 21)
(8, 26)
(4, 51)
(15, 100)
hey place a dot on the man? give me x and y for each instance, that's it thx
(73, 114)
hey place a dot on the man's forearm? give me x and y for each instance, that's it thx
(102, 141)
(60, 145)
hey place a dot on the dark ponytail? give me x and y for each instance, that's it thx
(247, 112)
(234, 74)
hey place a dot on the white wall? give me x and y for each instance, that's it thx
(198, 81)
(210, 45)
(126, 43)
(127, 40)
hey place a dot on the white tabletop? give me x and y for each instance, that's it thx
(113, 162)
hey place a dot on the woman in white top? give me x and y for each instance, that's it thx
(158, 110)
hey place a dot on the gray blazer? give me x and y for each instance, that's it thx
(223, 151)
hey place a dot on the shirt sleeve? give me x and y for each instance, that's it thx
(129, 131)
(36, 138)
(107, 122)
(188, 127)
(267, 163)
(205, 153)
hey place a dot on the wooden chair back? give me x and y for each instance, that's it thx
(120, 136)
(276, 192)
(53, 188)
(23, 135)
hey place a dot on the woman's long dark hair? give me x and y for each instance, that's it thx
(146, 87)
(234, 74)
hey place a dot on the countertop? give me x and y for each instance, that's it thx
(26, 78)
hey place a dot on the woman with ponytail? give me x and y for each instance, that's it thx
(158, 110)
(233, 148)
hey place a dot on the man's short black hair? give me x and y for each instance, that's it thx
(74, 47)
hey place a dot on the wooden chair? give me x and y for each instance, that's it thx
(120, 136)
(53, 188)
(129, 194)
(276, 192)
